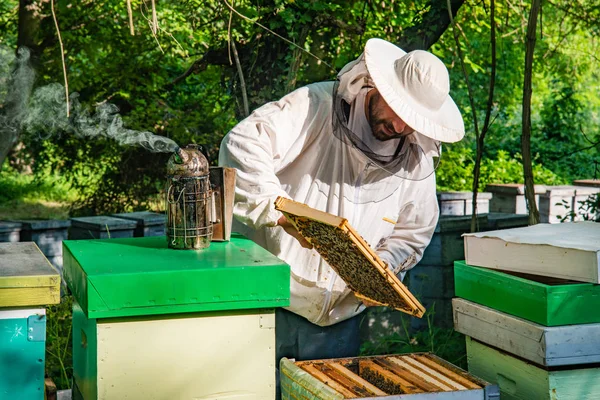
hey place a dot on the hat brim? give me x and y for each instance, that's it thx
(444, 124)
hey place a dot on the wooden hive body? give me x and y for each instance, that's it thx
(421, 375)
(350, 256)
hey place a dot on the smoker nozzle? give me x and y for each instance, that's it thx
(181, 156)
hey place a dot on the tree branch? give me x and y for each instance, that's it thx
(534, 215)
(435, 22)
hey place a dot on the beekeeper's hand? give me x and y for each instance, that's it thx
(291, 230)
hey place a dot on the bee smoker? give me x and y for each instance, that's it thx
(199, 200)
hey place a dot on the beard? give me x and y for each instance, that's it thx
(382, 130)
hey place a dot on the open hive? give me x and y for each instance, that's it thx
(350, 256)
(380, 376)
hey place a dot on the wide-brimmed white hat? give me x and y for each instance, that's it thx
(416, 86)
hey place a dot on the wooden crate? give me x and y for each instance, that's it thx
(546, 301)
(546, 346)
(521, 380)
(567, 251)
(411, 376)
(350, 256)
(22, 353)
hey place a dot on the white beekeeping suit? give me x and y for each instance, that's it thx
(305, 147)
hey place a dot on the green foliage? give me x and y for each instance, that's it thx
(455, 172)
(59, 346)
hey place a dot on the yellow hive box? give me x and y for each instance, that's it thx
(26, 277)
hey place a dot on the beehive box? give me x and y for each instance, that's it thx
(101, 227)
(9, 231)
(461, 203)
(22, 353)
(350, 256)
(546, 301)
(26, 277)
(408, 376)
(543, 345)
(510, 197)
(568, 251)
(27, 281)
(521, 380)
(48, 235)
(559, 201)
(148, 223)
(151, 322)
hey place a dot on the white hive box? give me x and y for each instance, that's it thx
(567, 251)
(546, 346)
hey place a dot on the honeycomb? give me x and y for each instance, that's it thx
(339, 250)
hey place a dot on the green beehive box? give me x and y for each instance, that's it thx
(142, 276)
(547, 301)
(521, 380)
(151, 322)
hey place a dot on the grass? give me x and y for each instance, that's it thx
(59, 360)
(445, 343)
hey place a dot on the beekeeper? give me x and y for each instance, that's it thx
(364, 148)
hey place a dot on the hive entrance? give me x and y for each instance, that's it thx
(350, 256)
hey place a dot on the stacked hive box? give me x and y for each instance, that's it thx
(148, 223)
(461, 203)
(510, 197)
(419, 376)
(27, 284)
(48, 235)
(101, 227)
(151, 322)
(565, 203)
(529, 304)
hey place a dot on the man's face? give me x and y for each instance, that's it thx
(385, 124)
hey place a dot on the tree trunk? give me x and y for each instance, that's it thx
(534, 215)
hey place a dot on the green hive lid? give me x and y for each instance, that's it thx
(142, 276)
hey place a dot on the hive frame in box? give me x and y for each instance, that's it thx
(416, 376)
(296, 212)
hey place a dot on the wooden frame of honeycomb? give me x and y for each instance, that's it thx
(350, 256)
(383, 376)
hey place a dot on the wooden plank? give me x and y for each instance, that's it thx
(357, 379)
(405, 386)
(302, 210)
(417, 364)
(421, 374)
(18, 297)
(408, 376)
(329, 381)
(342, 379)
(452, 375)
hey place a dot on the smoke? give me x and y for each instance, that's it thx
(16, 82)
(44, 112)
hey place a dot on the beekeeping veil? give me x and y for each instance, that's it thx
(416, 87)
